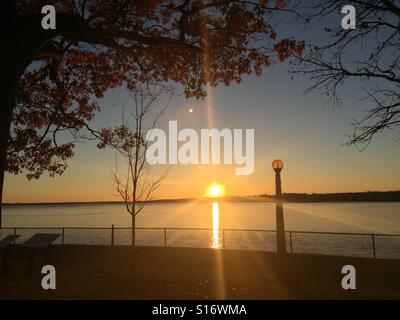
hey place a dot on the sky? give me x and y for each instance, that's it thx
(302, 130)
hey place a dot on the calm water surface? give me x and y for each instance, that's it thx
(335, 217)
(323, 217)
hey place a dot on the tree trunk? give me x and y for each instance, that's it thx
(9, 76)
(133, 230)
(8, 102)
(9, 82)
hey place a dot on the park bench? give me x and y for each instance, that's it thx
(4, 244)
(39, 240)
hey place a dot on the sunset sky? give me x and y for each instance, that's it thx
(299, 129)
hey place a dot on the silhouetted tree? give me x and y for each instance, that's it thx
(138, 181)
(370, 52)
(56, 76)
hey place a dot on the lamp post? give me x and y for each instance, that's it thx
(277, 165)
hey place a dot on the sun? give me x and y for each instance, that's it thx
(215, 190)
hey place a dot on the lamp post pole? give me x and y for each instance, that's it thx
(277, 165)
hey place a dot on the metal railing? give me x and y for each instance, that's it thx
(372, 235)
(165, 230)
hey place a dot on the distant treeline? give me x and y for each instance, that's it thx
(369, 196)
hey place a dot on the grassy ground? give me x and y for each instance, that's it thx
(94, 272)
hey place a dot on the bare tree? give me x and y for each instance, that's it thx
(369, 53)
(137, 182)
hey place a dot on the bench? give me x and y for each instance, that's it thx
(4, 244)
(39, 240)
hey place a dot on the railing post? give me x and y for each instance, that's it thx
(15, 235)
(165, 237)
(373, 245)
(112, 235)
(291, 242)
(62, 236)
(223, 238)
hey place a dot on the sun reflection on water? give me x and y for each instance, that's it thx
(216, 241)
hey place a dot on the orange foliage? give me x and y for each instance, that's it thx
(114, 43)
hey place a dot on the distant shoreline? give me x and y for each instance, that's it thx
(369, 196)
